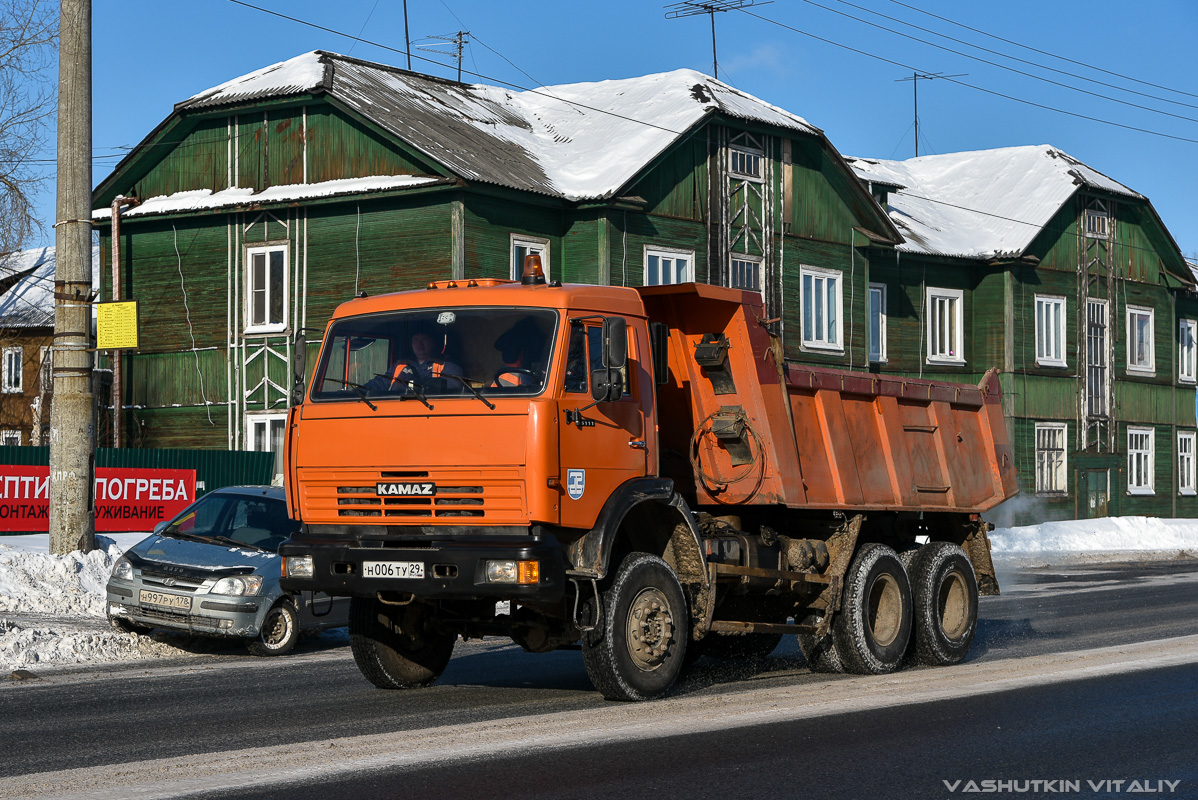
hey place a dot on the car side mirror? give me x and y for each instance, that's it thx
(615, 342)
(607, 385)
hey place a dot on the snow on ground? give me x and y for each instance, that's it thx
(52, 606)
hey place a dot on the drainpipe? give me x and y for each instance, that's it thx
(117, 380)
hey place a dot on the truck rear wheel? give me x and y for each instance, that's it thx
(638, 649)
(945, 593)
(395, 647)
(873, 627)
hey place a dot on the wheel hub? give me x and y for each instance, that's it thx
(954, 606)
(650, 629)
(276, 629)
(885, 610)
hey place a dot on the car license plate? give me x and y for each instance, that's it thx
(393, 569)
(176, 601)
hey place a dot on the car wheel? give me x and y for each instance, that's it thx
(639, 647)
(397, 647)
(280, 631)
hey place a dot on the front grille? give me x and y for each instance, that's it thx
(176, 583)
(495, 496)
(176, 617)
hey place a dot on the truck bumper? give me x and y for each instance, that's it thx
(452, 568)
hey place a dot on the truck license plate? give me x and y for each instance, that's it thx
(393, 569)
(175, 601)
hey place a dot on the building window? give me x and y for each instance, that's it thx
(1050, 331)
(1140, 449)
(745, 273)
(668, 266)
(10, 438)
(877, 322)
(945, 326)
(14, 358)
(265, 434)
(820, 298)
(524, 246)
(745, 162)
(266, 289)
(1050, 457)
(1097, 224)
(45, 376)
(1096, 358)
(1185, 463)
(1139, 341)
(1187, 352)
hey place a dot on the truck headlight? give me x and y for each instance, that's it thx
(512, 571)
(122, 570)
(298, 566)
(239, 585)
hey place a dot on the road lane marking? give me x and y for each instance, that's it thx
(322, 760)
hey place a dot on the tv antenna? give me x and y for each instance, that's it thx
(456, 43)
(915, 78)
(693, 8)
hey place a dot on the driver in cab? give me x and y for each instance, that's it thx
(424, 365)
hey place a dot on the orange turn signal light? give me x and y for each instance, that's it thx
(528, 571)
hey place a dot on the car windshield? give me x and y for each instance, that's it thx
(251, 520)
(485, 352)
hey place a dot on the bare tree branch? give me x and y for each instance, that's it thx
(28, 45)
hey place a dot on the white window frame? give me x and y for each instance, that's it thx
(827, 334)
(530, 243)
(45, 370)
(1141, 461)
(1050, 332)
(758, 266)
(266, 250)
(1052, 478)
(1187, 351)
(14, 368)
(663, 254)
(1097, 231)
(257, 420)
(745, 154)
(958, 333)
(878, 290)
(1136, 367)
(1185, 463)
(7, 438)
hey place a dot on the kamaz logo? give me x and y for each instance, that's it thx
(405, 489)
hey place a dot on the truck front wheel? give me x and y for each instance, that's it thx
(637, 650)
(873, 627)
(945, 591)
(397, 647)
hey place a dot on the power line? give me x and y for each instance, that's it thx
(968, 85)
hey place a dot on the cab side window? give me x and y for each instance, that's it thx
(585, 356)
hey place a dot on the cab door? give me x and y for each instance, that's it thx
(608, 446)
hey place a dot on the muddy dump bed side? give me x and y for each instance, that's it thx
(734, 428)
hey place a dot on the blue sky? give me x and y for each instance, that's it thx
(150, 54)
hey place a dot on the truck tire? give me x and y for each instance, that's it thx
(639, 647)
(394, 646)
(944, 589)
(750, 647)
(873, 626)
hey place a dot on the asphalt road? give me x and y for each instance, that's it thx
(1132, 725)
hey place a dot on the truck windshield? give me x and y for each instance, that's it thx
(436, 353)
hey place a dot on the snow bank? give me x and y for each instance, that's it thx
(69, 585)
(62, 642)
(1110, 534)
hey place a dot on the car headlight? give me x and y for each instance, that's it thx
(122, 569)
(238, 585)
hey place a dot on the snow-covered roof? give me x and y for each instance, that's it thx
(29, 302)
(577, 141)
(206, 199)
(982, 204)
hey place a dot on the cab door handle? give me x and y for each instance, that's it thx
(637, 444)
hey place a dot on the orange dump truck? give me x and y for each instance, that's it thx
(638, 475)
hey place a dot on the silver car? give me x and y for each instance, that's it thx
(214, 570)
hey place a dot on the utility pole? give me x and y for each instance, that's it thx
(692, 8)
(407, 41)
(72, 411)
(915, 78)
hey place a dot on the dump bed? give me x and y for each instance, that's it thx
(735, 428)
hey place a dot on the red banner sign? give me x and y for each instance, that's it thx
(126, 499)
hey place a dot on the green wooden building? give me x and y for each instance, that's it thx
(263, 203)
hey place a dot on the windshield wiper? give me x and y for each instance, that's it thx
(357, 387)
(192, 537)
(417, 392)
(473, 391)
(236, 543)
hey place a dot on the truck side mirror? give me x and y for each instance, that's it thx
(607, 384)
(299, 368)
(615, 342)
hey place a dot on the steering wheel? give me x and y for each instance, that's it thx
(514, 371)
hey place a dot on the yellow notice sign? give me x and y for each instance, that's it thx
(116, 325)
